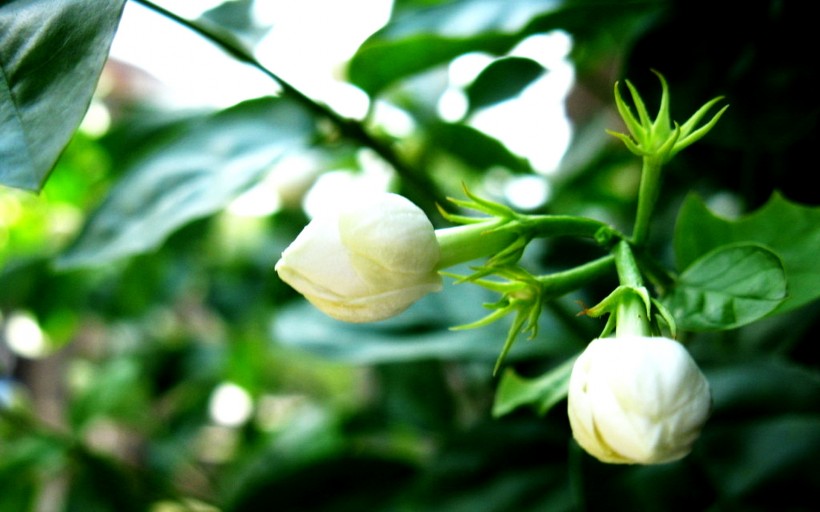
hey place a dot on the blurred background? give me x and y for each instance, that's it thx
(150, 358)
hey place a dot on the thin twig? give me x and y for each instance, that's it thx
(422, 187)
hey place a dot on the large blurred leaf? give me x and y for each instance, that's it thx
(475, 148)
(51, 56)
(235, 20)
(501, 80)
(193, 175)
(762, 388)
(102, 484)
(790, 230)
(343, 483)
(728, 287)
(379, 64)
(770, 464)
(24, 461)
(419, 39)
(764, 436)
(422, 332)
(497, 466)
(423, 38)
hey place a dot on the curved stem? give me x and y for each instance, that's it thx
(349, 128)
(560, 283)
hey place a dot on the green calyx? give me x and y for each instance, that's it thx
(660, 139)
(502, 234)
(631, 309)
(525, 294)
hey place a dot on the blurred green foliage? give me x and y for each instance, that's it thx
(151, 295)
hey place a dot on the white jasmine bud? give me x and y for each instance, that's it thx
(365, 262)
(637, 400)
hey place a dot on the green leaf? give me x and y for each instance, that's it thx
(235, 20)
(501, 80)
(51, 56)
(194, 175)
(423, 38)
(763, 388)
(790, 230)
(542, 392)
(728, 287)
(379, 64)
(475, 148)
(419, 39)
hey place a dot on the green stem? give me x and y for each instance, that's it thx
(418, 181)
(647, 196)
(560, 283)
(465, 243)
(631, 312)
(541, 226)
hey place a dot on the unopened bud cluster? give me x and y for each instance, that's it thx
(634, 396)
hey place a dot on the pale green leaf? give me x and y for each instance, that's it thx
(728, 287)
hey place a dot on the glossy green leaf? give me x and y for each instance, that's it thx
(541, 392)
(790, 230)
(728, 287)
(192, 176)
(51, 56)
(502, 80)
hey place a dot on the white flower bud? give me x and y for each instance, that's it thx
(637, 400)
(365, 262)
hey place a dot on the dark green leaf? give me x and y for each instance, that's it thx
(542, 392)
(193, 176)
(790, 230)
(762, 388)
(103, 484)
(379, 64)
(501, 80)
(361, 482)
(24, 461)
(728, 287)
(464, 17)
(765, 420)
(778, 457)
(419, 39)
(51, 56)
(475, 148)
(426, 38)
